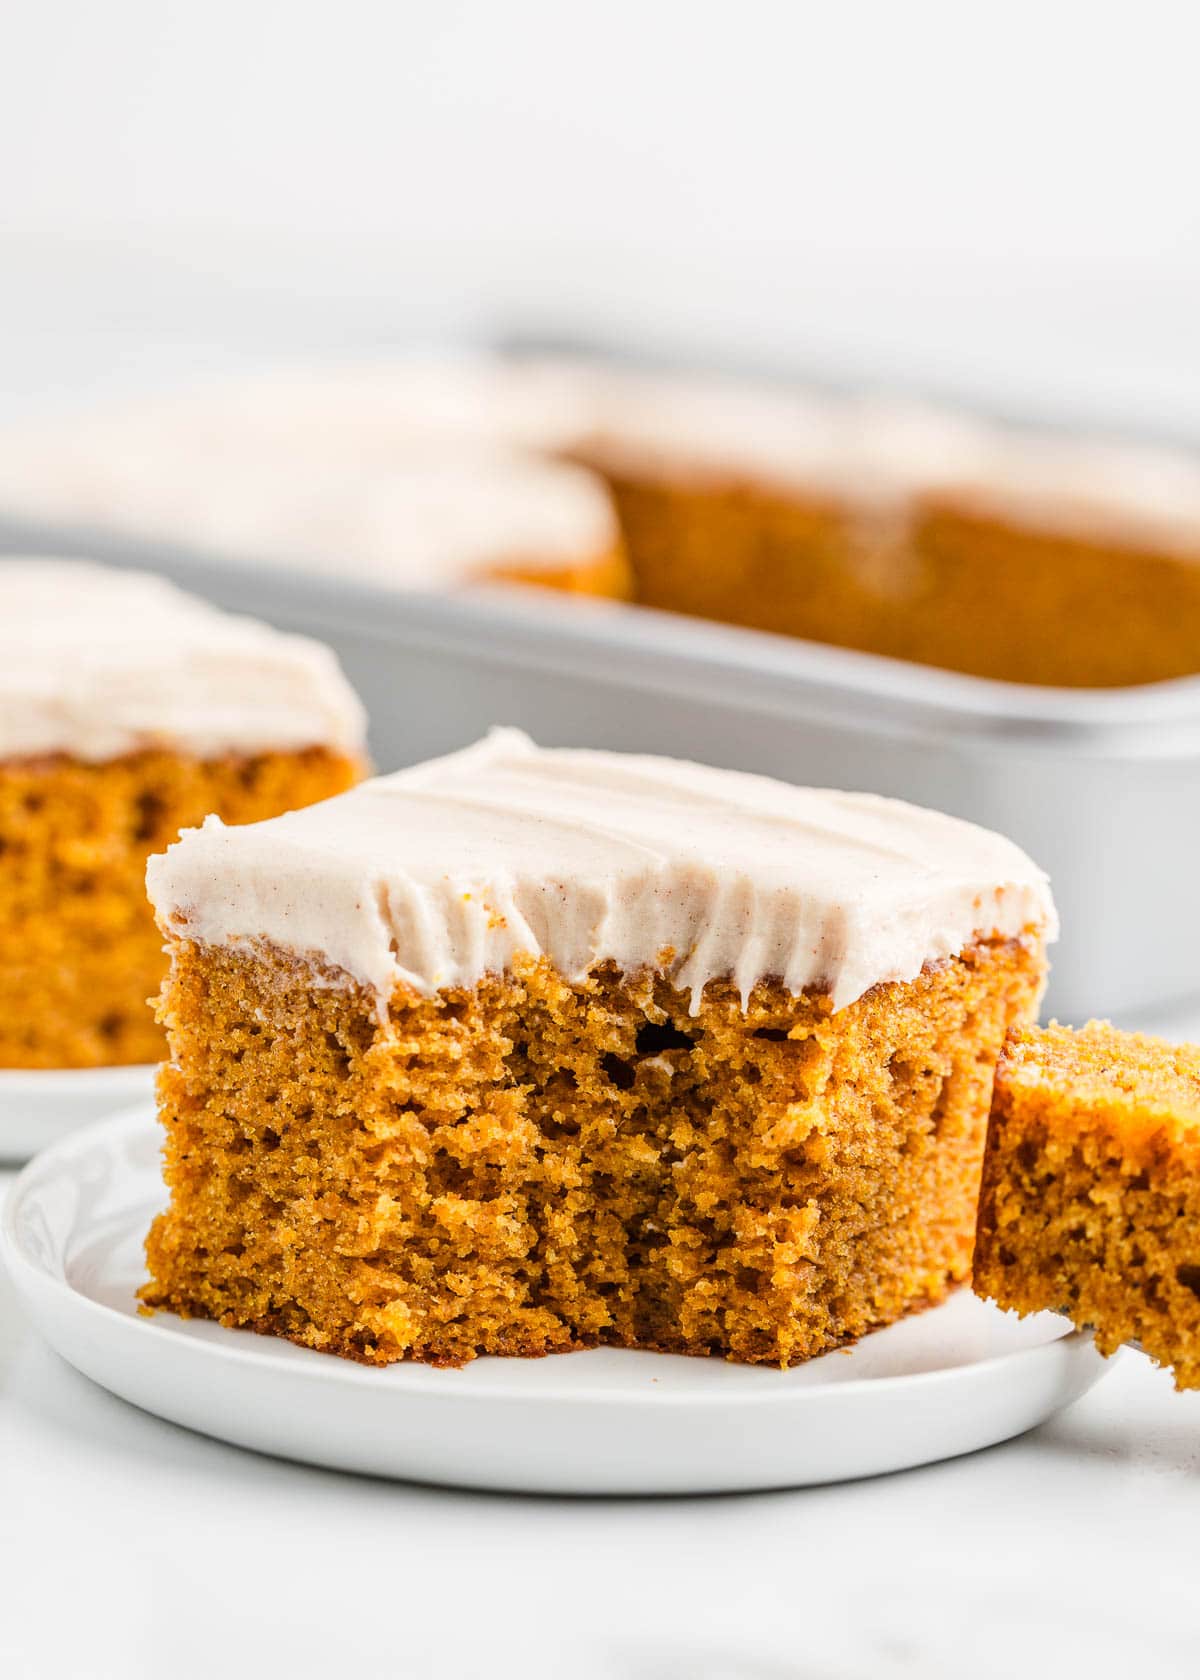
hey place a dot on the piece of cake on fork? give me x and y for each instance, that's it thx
(130, 710)
(521, 1051)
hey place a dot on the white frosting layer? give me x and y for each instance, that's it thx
(1093, 490)
(431, 520)
(533, 405)
(437, 875)
(682, 427)
(335, 480)
(97, 663)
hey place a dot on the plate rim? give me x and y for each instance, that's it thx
(332, 1369)
(41, 1106)
(108, 1073)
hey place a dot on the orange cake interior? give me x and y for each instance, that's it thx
(1091, 1188)
(1023, 601)
(941, 579)
(530, 1165)
(747, 554)
(605, 573)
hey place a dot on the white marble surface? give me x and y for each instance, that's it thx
(131, 1548)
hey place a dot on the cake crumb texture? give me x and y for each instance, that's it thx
(1091, 1188)
(81, 955)
(526, 1165)
(746, 554)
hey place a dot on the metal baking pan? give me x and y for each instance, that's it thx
(1101, 787)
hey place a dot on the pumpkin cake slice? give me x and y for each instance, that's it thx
(521, 1051)
(1091, 1188)
(130, 710)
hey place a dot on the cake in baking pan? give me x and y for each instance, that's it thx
(905, 530)
(764, 508)
(521, 1051)
(1091, 1188)
(900, 529)
(1067, 562)
(129, 710)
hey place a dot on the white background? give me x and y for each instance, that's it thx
(995, 199)
(1000, 200)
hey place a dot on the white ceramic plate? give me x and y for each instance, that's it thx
(603, 1422)
(40, 1105)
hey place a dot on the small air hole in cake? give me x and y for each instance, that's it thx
(1091, 1188)
(522, 1051)
(129, 710)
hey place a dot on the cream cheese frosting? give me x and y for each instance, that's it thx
(536, 405)
(430, 520)
(339, 484)
(685, 427)
(97, 662)
(437, 875)
(1090, 489)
